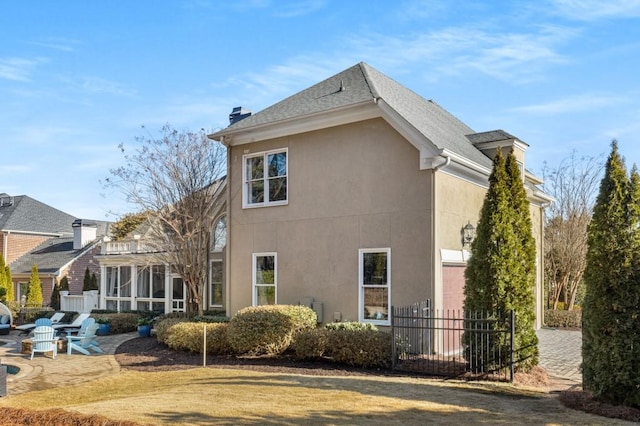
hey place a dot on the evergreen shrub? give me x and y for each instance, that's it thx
(164, 326)
(311, 344)
(268, 330)
(188, 336)
(563, 319)
(350, 325)
(360, 348)
(120, 322)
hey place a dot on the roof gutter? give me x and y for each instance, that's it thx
(447, 161)
(337, 113)
(44, 234)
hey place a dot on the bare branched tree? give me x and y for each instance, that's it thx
(178, 177)
(574, 184)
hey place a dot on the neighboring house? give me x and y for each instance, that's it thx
(33, 233)
(352, 195)
(135, 277)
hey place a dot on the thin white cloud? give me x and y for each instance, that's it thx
(580, 103)
(59, 44)
(590, 10)
(298, 8)
(12, 169)
(98, 85)
(421, 9)
(513, 57)
(18, 69)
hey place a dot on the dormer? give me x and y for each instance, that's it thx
(489, 142)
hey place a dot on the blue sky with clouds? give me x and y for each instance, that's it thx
(77, 78)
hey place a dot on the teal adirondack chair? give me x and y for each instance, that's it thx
(84, 342)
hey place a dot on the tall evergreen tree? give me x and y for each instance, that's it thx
(10, 295)
(500, 275)
(34, 293)
(55, 296)
(610, 337)
(3, 285)
(522, 292)
(86, 283)
(6, 283)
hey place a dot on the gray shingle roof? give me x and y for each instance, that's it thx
(364, 83)
(27, 214)
(491, 136)
(49, 256)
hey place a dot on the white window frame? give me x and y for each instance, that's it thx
(254, 285)
(265, 179)
(216, 246)
(362, 286)
(211, 304)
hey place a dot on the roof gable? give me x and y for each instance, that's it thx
(423, 122)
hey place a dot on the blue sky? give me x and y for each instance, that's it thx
(77, 78)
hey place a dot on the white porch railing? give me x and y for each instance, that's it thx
(124, 247)
(84, 303)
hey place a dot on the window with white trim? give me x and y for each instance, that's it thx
(265, 278)
(374, 277)
(265, 178)
(118, 288)
(215, 288)
(219, 234)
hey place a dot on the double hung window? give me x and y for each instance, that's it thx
(265, 178)
(215, 290)
(265, 278)
(375, 285)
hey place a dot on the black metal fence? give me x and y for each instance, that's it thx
(452, 344)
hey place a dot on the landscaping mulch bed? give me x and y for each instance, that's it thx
(147, 354)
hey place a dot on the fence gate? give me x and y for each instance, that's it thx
(449, 343)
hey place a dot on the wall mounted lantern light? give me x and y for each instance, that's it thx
(468, 234)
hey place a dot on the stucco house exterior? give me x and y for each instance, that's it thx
(34, 233)
(351, 196)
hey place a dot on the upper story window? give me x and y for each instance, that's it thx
(219, 234)
(265, 177)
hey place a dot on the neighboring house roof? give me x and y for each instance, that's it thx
(50, 256)
(23, 213)
(439, 132)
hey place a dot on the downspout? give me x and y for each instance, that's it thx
(5, 242)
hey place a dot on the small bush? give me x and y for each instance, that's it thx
(310, 344)
(120, 323)
(211, 319)
(360, 348)
(350, 325)
(163, 327)
(563, 319)
(189, 336)
(268, 330)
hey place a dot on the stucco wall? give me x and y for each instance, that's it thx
(350, 187)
